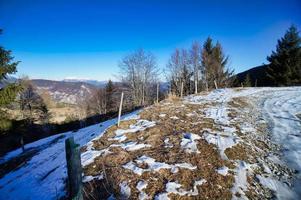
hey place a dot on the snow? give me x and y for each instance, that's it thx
(153, 165)
(189, 143)
(125, 190)
(175, 188)
(222, 142)
(223, 170)
(131, 146)
(167, 144)
(280, 109)
(43, 176)
(281, 190)
(241, 184)
(140, 125)
(141, 185)
(90, 178)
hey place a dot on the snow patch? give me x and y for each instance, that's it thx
(175, 188)
(141, 185)
(125, 190)
(155, 166)
(222, 142)
(189, 142)
(223, 170)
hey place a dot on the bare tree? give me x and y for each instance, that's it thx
(178, 72)
(196, 62)
(32, 104)
(139, 71)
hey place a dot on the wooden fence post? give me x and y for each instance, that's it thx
(74, 169)
(215, 84)
(182, 88)
(157, 92)
(120, 109)
(22, 143)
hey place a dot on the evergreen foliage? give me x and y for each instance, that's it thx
(110, 101)
(285, 63)
(214, 63)
(8, 91)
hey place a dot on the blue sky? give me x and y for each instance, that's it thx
(86, 39)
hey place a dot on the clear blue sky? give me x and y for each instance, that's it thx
(55, 39)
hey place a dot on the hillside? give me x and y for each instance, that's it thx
(65, 92)
(257, 74)
(225, 144)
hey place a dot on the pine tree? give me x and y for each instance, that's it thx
(8, 91)
(285, 63)
(110, 102)
(215, 63)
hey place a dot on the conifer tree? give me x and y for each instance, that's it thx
(214, 63)
(285, 63)
(8, 91)
(110, 102)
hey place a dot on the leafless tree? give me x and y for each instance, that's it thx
(178, 71)
(196, 62)
(139, 71)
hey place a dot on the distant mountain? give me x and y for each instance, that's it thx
(65, 92)
(257, 74)
(99, 84)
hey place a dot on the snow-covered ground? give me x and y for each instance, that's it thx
(43, 176)
(279, 107)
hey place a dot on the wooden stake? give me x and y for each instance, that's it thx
(22, 143)
(157, 92)
(74, 169)
(120, 109)
(215, 84)
(182, 87)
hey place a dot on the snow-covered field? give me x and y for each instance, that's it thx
(44, 175)
(243, 119)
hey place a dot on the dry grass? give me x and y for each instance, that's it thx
(207, 161)
(173, 118)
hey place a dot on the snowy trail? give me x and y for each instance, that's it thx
(280, 110)
(43, 176)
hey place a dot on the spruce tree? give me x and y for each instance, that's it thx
(110, 102)
(285, 63)
(8, 91)
(214, 62)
